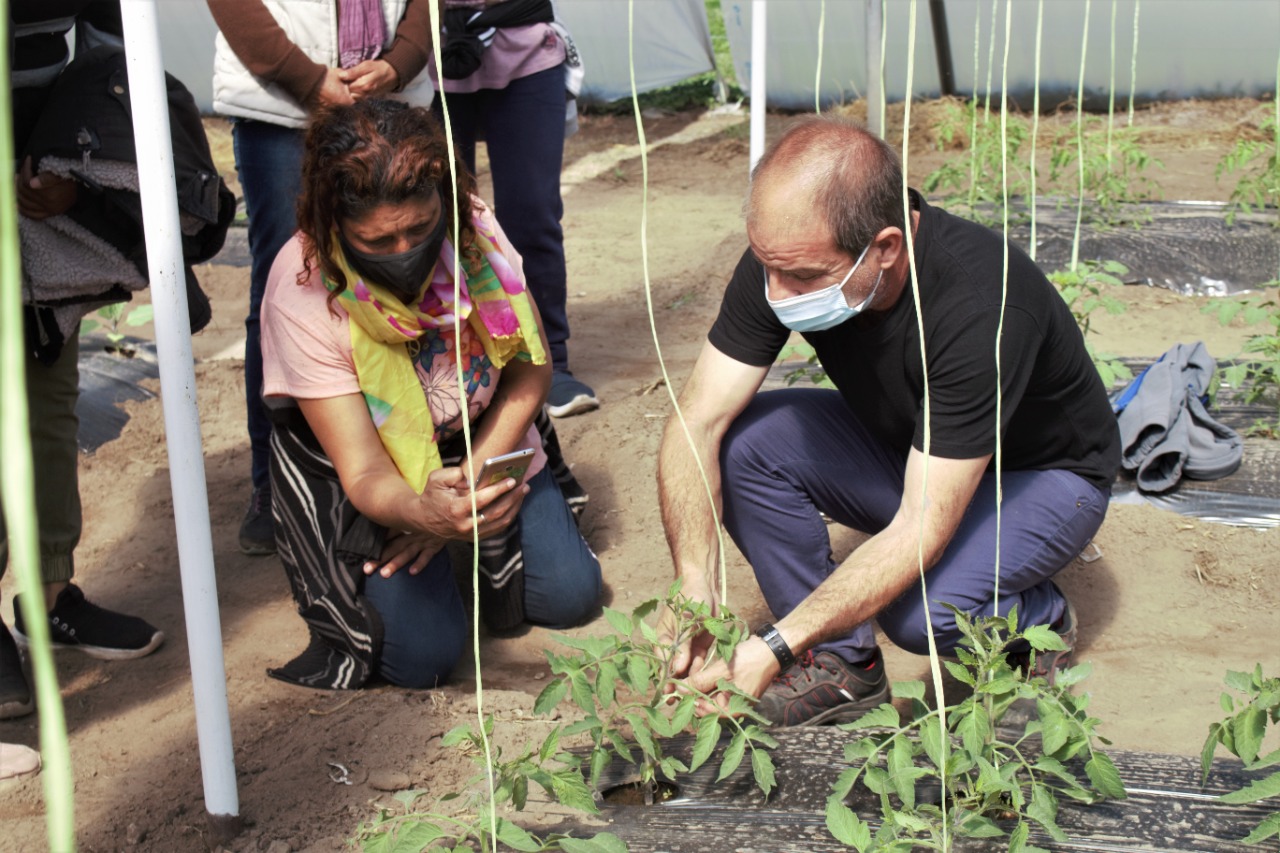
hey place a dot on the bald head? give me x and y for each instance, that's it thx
(835, 171)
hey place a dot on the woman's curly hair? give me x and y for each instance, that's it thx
(370, 153)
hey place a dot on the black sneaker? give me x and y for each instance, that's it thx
(258, 530)
(823, 689)
(15, 693)
(569, 396)
(76, 623)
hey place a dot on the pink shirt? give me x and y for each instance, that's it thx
(515, 52)
(307, 353)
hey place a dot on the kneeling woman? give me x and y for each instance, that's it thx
(362, 379)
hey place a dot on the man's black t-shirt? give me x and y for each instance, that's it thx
(1055, 412)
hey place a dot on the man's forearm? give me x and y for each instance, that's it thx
(687, 514)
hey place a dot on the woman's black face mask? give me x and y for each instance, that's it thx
(403, 272)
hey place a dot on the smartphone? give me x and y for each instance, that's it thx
(498, 468)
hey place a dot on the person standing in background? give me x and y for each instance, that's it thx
(504, 76)
(275, 62)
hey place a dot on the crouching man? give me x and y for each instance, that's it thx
(908, 461)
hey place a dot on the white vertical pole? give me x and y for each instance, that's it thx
(875, 88)
(758, 87)
(181, 420)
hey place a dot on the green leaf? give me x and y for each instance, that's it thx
(599, 761)
(570, 789)
(638, 673)
(959, 672)
(644, 737)
(974, 728)
(885, 716)
(908, 690)
(1240, 681)
(1106, 779)
(1207, 751)
(649, 633)
(140, 315)
(705, 742)
(762, 769)
(551, 696)
(1248, 730)
(580, 689)
(1254, 791)
(1044, 639)
(1043, 809)
(732, 756)
(900, 767)
(619, 621)
(414, 836)
(606, 683)
(973, 825)
(683, 714)
(1270, 826)
(1054, 728)
(456, 735)
(659, 723)
(846, 826)
(517, 837)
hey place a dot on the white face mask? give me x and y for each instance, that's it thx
(822, 309)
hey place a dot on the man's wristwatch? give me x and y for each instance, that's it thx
(777, 645)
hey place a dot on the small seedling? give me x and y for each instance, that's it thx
(1257, 370)
(993, 787)
(463, 822)
(1084, 289)
(624, 685)
(1242, 732)
(112, 316)
(1257, 161)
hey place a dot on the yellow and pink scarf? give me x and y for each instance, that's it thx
(493, 302)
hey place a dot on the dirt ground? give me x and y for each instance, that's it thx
(1172, 604)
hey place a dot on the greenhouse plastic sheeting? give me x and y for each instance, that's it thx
(1187, 247)
(108, 380)
(1187, 48)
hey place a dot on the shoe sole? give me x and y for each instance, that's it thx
(252, 550)
(13, 710)
(578, 405)
(99, 652)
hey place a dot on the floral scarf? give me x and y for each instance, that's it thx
(493, 302)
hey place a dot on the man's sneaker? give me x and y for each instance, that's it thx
(258, 530)
(77, 623)
(1048, 664)
(569, 396)
(15, 693)
(822, 688)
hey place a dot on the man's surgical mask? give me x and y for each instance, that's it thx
(822, 309)
(403, 272)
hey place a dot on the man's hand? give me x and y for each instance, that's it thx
(43, 195)
(751, 670)
(692, 652)
(370, 78)
(332, 91)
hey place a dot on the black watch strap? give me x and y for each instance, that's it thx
(777, 645)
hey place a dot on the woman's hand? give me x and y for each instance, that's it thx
(332, 91)
(405, 550)
(444, 507)
(370, 78)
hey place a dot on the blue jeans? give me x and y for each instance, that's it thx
(269, 163)
(523, 130)
(424, 621)
(796, 452)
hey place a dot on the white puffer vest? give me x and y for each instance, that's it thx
(312, 25)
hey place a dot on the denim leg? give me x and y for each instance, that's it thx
(562, 581)
(424, 624)
(524, 134)
(789, 455)
(269, 163)
(1047, 518)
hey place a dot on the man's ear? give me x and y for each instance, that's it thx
(890, 243)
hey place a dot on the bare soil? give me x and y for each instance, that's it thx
(1172, 604)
